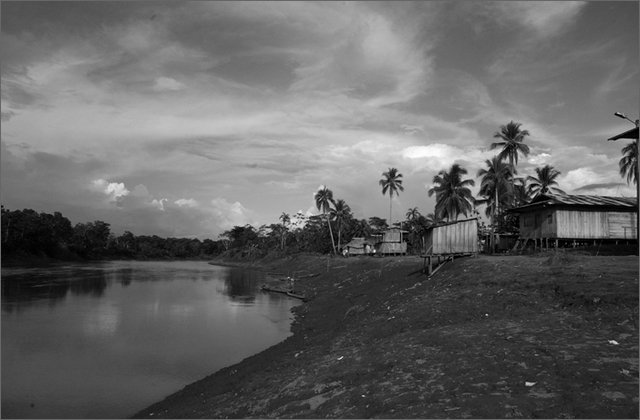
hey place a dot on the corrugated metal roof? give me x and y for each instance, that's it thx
(579, 200)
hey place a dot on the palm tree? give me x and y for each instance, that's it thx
(452, 193)
(432, 219)
(286, 219)
(512, 143)
(629, 162)
(496, 186)
(544, 182)
(340, 213)
(413, 214)
(392, 183)
(324, 199)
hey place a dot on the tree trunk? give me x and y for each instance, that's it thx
(333, 244)
(390, 198)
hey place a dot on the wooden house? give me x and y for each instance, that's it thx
(392, 242)
(454, 238)
(578, 217)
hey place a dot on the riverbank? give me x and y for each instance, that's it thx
(548, 335)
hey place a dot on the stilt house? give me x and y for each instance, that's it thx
(578, 217)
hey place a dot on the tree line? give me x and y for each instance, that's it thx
(29, 233)
(32, 233)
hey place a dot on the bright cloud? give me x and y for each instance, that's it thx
(114, 190)
(186, 202)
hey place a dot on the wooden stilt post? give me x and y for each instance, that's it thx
(429, 267)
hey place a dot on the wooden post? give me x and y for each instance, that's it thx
(429, 267)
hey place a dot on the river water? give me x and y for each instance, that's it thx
(108, 339)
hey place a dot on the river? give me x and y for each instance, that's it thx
(105, 340)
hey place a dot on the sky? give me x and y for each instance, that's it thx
(184, 119)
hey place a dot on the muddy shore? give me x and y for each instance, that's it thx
(542, 336)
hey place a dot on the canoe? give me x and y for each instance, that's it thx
(286, 292)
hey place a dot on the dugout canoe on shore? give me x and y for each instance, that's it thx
(284, 291)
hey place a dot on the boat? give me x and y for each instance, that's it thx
(289, 293)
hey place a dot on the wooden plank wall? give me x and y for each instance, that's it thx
(582, 224)
(574, 224)
(392, 236)
(539, 224)
(456, 238)
(622, 225)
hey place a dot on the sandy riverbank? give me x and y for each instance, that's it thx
(549, 335)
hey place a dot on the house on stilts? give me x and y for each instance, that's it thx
(555, 219)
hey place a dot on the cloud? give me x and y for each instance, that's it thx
(545, 18)
(370, 58)
(113, 190)
(167, 84)
(228, 215)
(437, 156)
(579, 178)
(159, 203)
(539, 159)
(186, 202)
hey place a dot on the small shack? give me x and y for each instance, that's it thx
(359, 246)
(448, 240)
(454, 238)
(582, 218)
(392, 242)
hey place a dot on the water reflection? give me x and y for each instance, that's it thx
(241, 285)
(21, 288)
(76, 339)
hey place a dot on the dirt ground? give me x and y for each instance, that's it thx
(552, 335)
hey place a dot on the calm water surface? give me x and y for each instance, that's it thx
(106, 340)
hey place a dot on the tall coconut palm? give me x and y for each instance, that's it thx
(324, 199)
(391, 182)
(629, 162)
(496, 186)
(544, 182)
(340, 213)
(512, 143)
(453, 196)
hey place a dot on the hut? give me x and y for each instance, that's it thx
(454, 238)
(577, 218)
(392, 242)
(359, 246)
